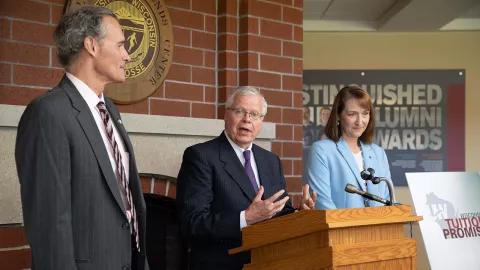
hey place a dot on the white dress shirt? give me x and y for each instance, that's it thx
(92, 101)
(239, 151)
(359, 159)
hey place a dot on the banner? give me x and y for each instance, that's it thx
(450, 228)
(420, 115)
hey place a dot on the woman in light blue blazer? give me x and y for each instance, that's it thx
(348, 149)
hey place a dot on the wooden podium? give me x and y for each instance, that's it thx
(355, 238)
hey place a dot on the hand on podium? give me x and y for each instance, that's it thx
(308, 202)
(260, 210)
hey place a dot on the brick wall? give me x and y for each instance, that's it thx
(14, 251)
(270, 36)
(219, 44)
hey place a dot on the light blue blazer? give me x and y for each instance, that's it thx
(331, 166)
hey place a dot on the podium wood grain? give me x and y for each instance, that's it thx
(359, 238)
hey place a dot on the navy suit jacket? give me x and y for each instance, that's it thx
(213, 189)
(331, 166)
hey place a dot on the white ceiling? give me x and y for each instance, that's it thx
(391, 15)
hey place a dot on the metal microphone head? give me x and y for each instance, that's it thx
(351, 188)
(365, 175)
(376, 180)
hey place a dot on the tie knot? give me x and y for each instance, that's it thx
(246, 155)
(101, 106)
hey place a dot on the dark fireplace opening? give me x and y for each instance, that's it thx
(165, 248)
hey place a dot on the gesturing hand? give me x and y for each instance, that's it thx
(260, 210)
(308, 203)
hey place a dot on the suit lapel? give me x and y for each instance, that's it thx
(133, 181)
(87, 122)
(344, 150)
(119, 125)
(234, 168)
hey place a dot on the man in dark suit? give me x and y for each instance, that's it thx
(229, 183)
(82, 202)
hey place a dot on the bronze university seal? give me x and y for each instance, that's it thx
(149, 42)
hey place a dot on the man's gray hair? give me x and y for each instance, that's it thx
(75, 26)
(246, 91)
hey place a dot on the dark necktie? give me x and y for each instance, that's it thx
(120, 171)
(249, 170)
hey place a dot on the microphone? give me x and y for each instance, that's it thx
(370, 176)
(376, 180)
(354, 190)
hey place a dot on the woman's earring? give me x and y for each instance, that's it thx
(338, 123)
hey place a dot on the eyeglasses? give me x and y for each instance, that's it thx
(242, 113)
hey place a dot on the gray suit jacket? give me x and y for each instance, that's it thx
(72, 208)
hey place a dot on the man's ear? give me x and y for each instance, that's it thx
(91, 46)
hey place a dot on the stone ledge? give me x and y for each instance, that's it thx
(150, 124)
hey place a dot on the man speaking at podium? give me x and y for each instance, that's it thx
(229, 183)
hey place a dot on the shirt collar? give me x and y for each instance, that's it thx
(86, 92)
(239, 150)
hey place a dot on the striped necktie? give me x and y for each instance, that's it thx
(120, 172)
